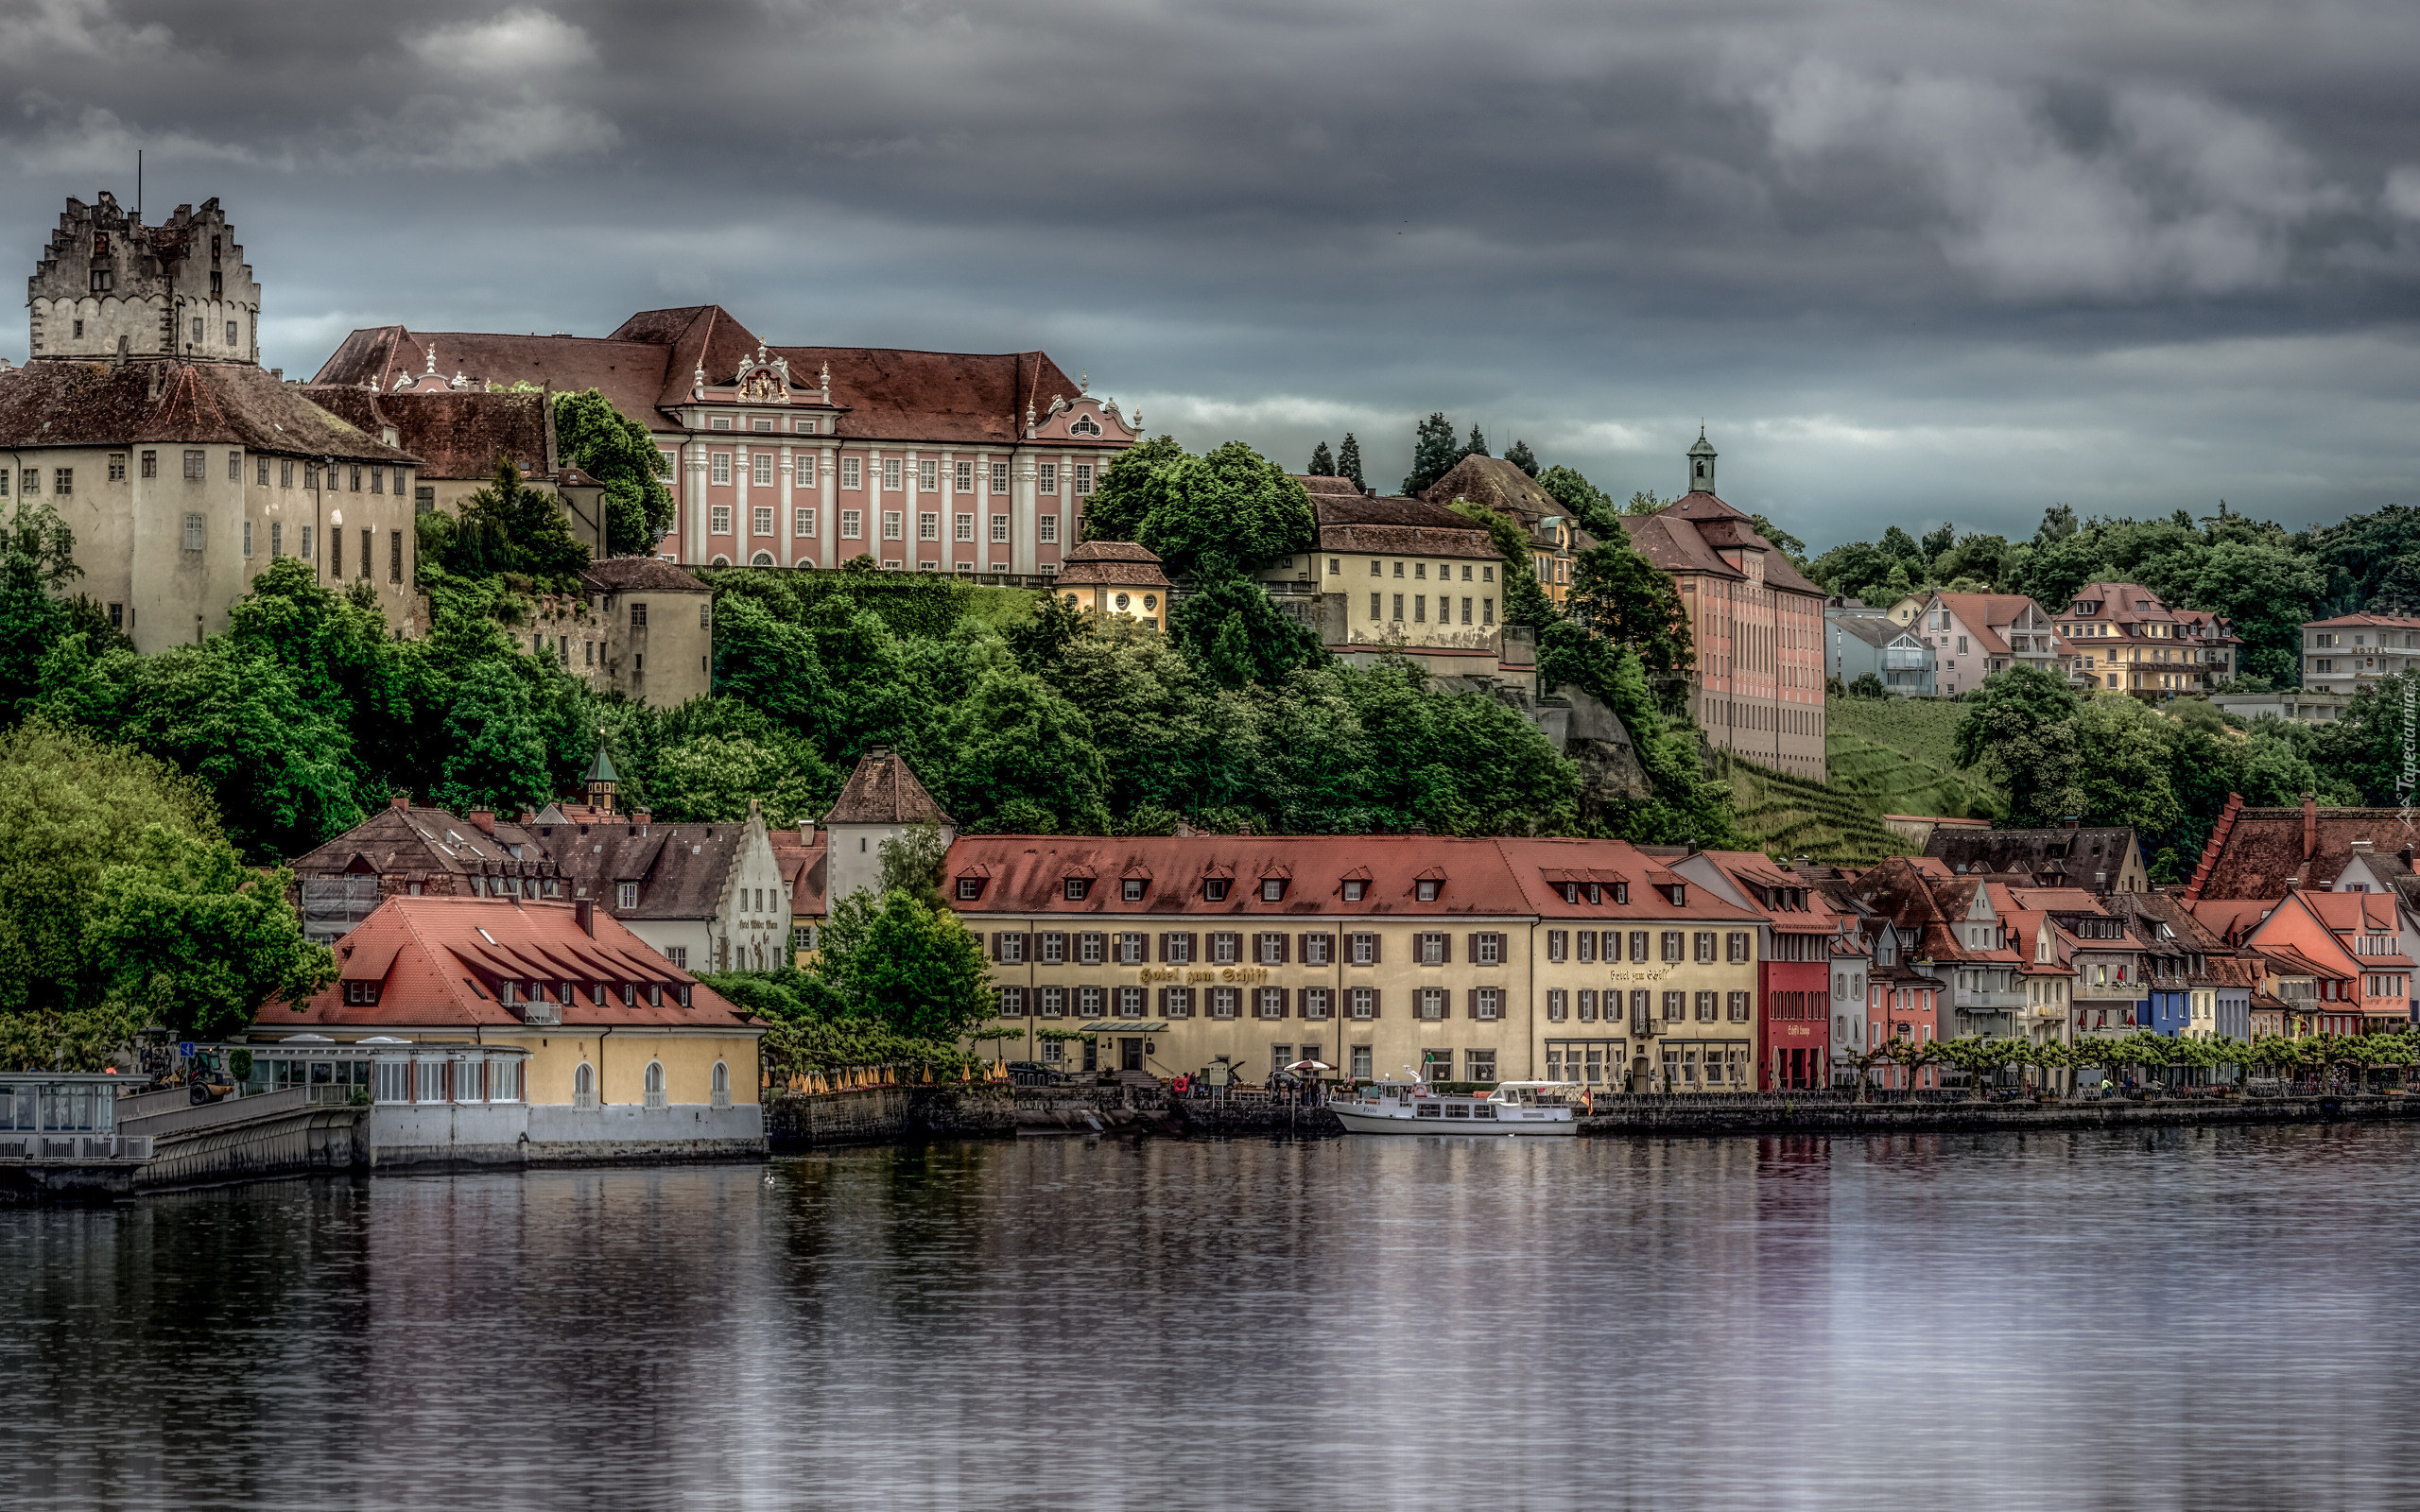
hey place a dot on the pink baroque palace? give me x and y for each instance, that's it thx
(809, 457)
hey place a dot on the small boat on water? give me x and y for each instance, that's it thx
(1519, 1108)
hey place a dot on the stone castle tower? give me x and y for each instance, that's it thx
(110, 286)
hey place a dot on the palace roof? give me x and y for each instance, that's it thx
(458, 434)
(884, 790)
(63, 402)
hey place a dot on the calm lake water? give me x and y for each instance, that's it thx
(2203, 1319)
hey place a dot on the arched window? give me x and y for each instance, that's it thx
(655, 1084)
(720, 561)
(722, 1085)
(583, 1086)
(763, 559)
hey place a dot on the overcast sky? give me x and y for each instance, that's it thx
(1908, 262)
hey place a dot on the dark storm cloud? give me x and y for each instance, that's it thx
(1906, 262)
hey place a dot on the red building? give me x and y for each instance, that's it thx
(1794, 965)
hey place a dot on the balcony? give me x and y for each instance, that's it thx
(1979, 1000)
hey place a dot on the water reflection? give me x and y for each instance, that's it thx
(2191, 1318)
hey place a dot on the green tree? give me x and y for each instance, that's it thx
(710, 774)
(1348, 462)
(1225, 514)
(1123, 493)
(2020, 726)
(495, 750)
(1644, 501)
(1868, 686)
(1597, 513)
(620, 453)
(1023, 759)
(37, 560)
(1323, 465)
(1519, 454)
(1475, 446)
(120, 899)
(903, 964)
(1783, 541)
(1234, 628)
(1621, 596)
(1433, 453)
(509, 527)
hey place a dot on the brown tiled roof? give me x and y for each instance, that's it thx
(440, 962)
(457, 433)
(1404, 527)
(631, 373)
(1986, 614)
(2117, 601)
(2255, 852)
(681, 869)
(419, 842)
(1717, 525)
(630, 574)
(1121, 563)
(2047, 856)
(884, 790)
(1314, 483)
(1495, 484)
(55, 401)
(649, 362)
(2358, 621)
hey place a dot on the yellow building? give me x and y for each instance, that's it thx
(1116, 578)
(628, 1055)
(1377, 954)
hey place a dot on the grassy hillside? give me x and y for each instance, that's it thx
(1885, 757)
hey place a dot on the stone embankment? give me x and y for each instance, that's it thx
(1725, 1114)
(873, 1115)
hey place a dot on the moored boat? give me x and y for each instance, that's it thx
(1515, 1108)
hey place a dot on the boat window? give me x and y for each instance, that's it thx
(1428, 1110)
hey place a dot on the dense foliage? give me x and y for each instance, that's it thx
(617, 450)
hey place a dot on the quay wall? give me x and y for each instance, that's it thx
(1784, 1115)
(875, 1115)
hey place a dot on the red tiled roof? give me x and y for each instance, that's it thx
(629, 373)
(2254, 852)
(2359, 621)
(803, 865)
(440, 962)
(1483, 878)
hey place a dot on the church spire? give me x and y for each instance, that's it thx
(1702, 465)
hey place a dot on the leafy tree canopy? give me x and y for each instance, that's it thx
(1433, 453)
(1519, 454)
(618, 452)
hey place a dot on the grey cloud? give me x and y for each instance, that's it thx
(1907, 261)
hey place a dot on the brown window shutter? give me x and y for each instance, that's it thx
(1473, 996)
(1193, 948)
(1025, 948)
(1285, 949)
(1446, 947)
(1375, 996)
(1377, 947)
(1473, 947)
(996, 945)
(1164, 947)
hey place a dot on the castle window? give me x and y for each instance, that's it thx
(718, 422)
(999, 477)
(196, 328)
(928, 476)
(193, 466)
(117, 467)
(1047, 530)
(101, 281)
(31, 482)
(764, 424)
(1085, 425)
(852, 525)
(230, 325)
(890, 466)
(762, 469)
(804, 425)
(852, 472)
(235, 467)
(248, 538)
(193, 532)
(963, 477)
(802, 523)
(1049, 481)
(721, 467)
(999, 529)
(1083, 479)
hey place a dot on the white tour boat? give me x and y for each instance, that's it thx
(1410, 1108)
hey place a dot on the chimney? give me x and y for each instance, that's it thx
(2310, 824)
(483, 820)
(401, 800)
(806, 831)
(585, 911)
(639, 817)
(528, 815)
(2071, 821)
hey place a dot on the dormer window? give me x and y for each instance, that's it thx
(969, 889)
(1621, 892)
(1273, 889)
(1596, 893)
(1084, 425)
(1676, 893)
(1353, 890)
(1130, 890)
(1571, 892)
(361, 992)
(1426, 890)
(1215, 889)
(1078, 887)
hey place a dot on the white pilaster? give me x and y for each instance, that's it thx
(1021, 513)
(785, 527)
(826, 527)
(743, 544)
(693, 504)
